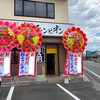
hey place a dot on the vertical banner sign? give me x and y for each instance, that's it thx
(27, 64)
(5, 64)
(66, 67)
(76, 64)
(73, 64)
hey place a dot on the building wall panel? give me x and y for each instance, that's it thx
(62, 56)
(61, 11)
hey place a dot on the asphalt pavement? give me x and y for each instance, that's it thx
(94, 67)
(80, 90)
(4, 93)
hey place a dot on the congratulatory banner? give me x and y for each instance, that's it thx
(73, 64)
(5, 64)
(27, 64)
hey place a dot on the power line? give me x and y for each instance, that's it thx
(90, 13)
(95, 35)
(90, 22)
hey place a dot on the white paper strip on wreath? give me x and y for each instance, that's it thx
(27, 64)
(5, 64)
(76, 65)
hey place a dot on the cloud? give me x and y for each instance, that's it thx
(73, 2)
(85, 14)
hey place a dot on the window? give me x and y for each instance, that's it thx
(18, 7)
(50, 9)
(34, 9)
(41, 9)
(29, 8)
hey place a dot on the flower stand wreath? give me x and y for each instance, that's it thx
(7, 36)
(74, 40)
(29, 38)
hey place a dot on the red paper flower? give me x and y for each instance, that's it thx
(33, 49)
(23, 49)
(78, 29)
(16, 42)
(16, 32)
(37, 30)
(40, 34)
(73, 28)
(33, 26)
(28, 24)
(41, 39)
(19, 28)
(28, 50)
(37, 47)
(22, 25)
(19, 46)
(69, 30)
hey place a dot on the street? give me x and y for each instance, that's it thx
(94, 67)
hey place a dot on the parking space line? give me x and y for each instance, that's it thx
(75, 97)
(91, 72)
(10, 93)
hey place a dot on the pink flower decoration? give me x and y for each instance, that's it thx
(4, 43)
(9, 48)
(5, 50)
(1, 22)
(6, 23)
(12, 45)
(0, 50)
(11, 26)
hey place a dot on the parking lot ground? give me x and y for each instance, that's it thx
(4, 93)
(84, 90)
(40, 92)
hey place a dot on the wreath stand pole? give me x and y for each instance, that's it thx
(11, 82)
(35, 80)
(17, 82)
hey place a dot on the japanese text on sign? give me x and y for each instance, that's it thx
(26, 63)
(5, 63)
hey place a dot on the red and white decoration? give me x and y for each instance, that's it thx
(5, 64)
(27, 64)
(73, 64)
(74, 41)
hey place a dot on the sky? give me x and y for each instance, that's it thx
(85, 14)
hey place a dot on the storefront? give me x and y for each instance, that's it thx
(51, 17)
(51, 56)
